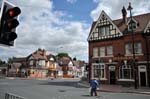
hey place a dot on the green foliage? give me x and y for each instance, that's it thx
(60, 55)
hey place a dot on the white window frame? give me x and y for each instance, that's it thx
(104, 30)
(95, 52)
(137, 48)
(99, 67)
(109, 51)
(102, 52)
(41, 62)
(128, 48)
(122, 71)
(31, 62)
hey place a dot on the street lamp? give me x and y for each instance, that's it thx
(133, 50)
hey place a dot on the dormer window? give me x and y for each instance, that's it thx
(132, 24)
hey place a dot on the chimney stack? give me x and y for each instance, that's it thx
(44, 52)
(124, 14)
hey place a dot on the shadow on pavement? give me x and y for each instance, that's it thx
(86, 95)
(92, 96)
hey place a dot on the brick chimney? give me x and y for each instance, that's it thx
(44, 52)
(124, 14)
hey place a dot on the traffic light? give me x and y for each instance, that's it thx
(9, 22)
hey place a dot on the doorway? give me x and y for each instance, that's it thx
(112, 75)
(143, 78)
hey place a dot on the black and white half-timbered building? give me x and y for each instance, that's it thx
(111, 52)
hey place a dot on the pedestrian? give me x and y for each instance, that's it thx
(93, 86)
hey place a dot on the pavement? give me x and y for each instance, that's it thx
(119, 88)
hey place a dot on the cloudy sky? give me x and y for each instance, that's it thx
(62, 25)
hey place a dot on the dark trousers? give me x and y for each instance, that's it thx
(93, 90)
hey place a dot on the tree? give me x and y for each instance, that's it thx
(60, 55)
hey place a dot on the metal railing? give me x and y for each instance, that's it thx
(13, 96)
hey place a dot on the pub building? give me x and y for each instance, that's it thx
(111, 49)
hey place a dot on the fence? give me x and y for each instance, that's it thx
(13, 96)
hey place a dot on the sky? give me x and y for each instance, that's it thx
(62, 25)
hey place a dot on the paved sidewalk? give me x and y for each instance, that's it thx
(119, 88)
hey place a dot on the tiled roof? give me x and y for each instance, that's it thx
(39, 55)
(78, 64)
(21, 59)
(142, 20)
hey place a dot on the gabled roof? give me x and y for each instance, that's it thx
(96, 23)
(142, 20)
(39, 54)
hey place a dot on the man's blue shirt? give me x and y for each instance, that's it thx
(94, 84)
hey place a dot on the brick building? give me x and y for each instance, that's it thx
(110, 49)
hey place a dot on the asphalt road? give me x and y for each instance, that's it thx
(57, 89)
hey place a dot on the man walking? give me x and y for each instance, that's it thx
(93, 85)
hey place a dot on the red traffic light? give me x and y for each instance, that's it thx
(13, 12)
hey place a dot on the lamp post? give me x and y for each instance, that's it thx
(133, 50)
